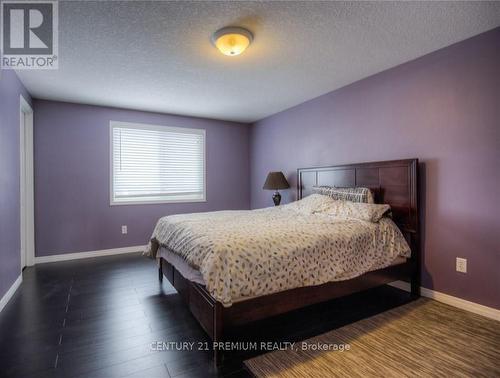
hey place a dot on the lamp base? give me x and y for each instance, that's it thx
(276, 198)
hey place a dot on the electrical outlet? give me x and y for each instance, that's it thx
(461, 265)
(124, 229)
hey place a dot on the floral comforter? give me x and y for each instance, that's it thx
(257, 252)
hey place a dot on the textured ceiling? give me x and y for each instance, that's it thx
(157, 56)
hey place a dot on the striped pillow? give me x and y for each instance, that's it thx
(363, 195)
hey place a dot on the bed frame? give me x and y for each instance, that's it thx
(392, 182)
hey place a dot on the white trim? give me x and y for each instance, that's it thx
(27, 202)
(152, 202)
(22, 185)
(144, 126)
(476, 308)
(85, 255)
(6, 298)
(147, 126)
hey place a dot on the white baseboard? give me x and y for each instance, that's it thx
(6, 298)
(85, 255)
(476, 308)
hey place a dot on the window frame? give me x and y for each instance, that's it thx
(144, 126)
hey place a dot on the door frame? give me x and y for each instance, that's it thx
(26, 189)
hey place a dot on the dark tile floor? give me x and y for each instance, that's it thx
(98, 318)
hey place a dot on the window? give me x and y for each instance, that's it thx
(156, 164)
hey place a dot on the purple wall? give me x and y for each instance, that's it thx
(444, 109)
(10, 237)
(72, 211)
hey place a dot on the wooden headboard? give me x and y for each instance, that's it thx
(392, 182)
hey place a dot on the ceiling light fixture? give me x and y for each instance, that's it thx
(232, 41)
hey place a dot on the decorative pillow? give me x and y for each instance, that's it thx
(363, 211)
(360, 194)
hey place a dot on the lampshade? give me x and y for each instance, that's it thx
(275, 181)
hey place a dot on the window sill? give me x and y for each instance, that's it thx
(155, 202)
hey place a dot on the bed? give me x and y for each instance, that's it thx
(225, 296)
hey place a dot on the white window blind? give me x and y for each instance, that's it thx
(152, 164)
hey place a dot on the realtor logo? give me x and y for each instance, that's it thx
(29, 37)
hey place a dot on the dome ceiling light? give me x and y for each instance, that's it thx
(232, 41)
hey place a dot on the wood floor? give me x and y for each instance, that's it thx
(98, 317)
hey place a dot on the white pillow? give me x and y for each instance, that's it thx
(363, 211)
(310, 204)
